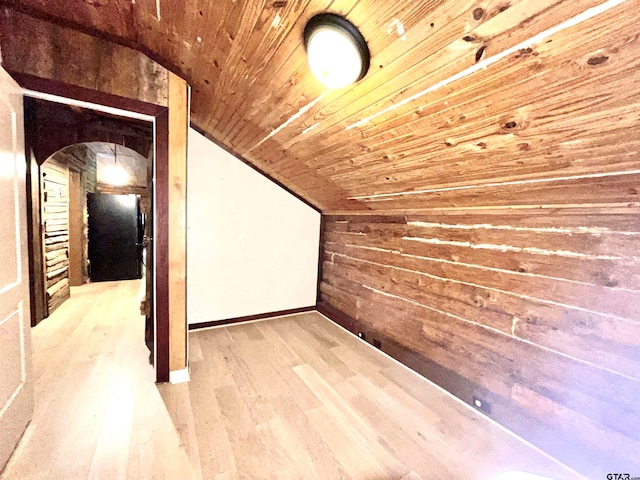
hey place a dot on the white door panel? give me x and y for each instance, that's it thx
(16, 392)
(11, 348)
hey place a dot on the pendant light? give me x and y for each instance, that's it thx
(336, 51)
(114, 174)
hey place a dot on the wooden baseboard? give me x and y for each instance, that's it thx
(250, 318)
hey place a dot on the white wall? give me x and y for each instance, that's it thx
(251, 247)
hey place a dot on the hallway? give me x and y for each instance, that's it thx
(98, 413)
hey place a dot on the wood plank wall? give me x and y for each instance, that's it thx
(30, 44)
(55, 218)
(533, 311)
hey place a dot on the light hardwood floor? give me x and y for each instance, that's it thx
(298, 397)
(98, 413)
(288, 398)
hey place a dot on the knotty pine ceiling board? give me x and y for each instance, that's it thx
(563, 106)
(546, 105)
(430, 52)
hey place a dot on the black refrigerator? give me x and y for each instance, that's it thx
(116, 229)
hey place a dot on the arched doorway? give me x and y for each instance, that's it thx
(101, 170)
(73, 135)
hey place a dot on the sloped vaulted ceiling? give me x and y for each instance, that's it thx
(467, 102)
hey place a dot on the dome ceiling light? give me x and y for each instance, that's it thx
(337, 52)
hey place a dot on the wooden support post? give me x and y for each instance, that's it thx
(178, 130)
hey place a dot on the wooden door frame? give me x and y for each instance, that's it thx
(37, 296)
(161, 196)
(74, 217)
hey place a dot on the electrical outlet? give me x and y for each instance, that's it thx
(376, 343)
(481, 405)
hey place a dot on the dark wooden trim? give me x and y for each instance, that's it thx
(161, 114)
(254, 167)
(37, 295)
(161, 241)
(342, 319)
(249, 318)
(53, 87)
(320, 256)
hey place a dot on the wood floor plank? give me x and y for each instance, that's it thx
(310, 443)
(347, 433)
(184, 421)
(112, 448)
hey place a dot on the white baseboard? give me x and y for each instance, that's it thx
(179, 376)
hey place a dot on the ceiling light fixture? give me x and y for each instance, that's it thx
(115, 174)
(337, 52)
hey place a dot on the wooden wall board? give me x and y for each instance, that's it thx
(177, 219)
(453, 290)
(601, 338)
(77, 203)
(58, 217)
(55, 219)
(123, 71)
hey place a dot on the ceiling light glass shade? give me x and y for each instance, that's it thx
(115, 175)
(336, 51)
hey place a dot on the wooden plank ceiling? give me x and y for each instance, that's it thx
(467, 102)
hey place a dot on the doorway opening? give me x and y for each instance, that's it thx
(68, 144)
